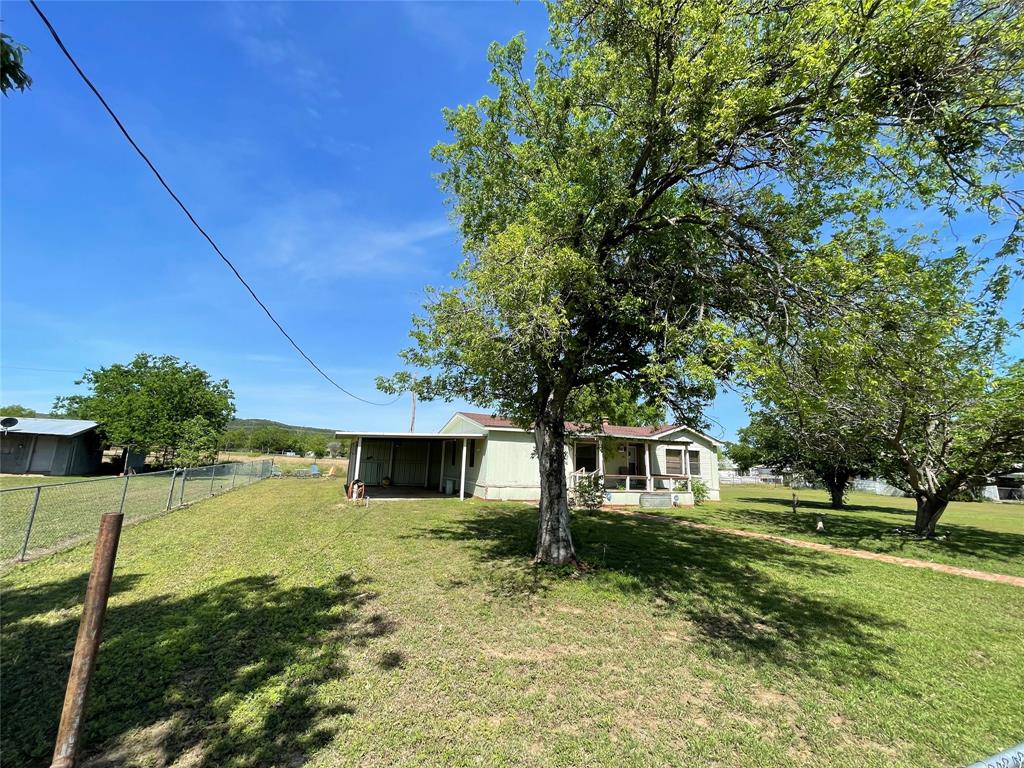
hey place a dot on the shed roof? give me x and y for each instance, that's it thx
(58, 427)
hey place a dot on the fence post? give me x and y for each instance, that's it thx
(31, 519)
(213, 476)
(124, 493)
(170, 491)
(184, 477)
(234, 472)
(87, 644)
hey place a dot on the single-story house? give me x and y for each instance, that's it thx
(49, 447)
(489, 457)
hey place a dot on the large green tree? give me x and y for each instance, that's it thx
(151, 402)
(912, 379)
(664, 168)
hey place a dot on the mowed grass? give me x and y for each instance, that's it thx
(277, 626)
(986, 536)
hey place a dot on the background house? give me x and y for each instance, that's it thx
(50, 447)
(488, 457)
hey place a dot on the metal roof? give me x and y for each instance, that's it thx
(59, 427)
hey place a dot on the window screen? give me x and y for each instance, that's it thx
(694, 462)
(674, 461)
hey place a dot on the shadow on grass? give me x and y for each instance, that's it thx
(225, 676)
(845, 528)
(713, 580)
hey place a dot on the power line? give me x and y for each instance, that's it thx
(188, 213)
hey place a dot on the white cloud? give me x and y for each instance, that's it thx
(316, 237)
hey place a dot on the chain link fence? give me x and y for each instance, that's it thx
(37, 520)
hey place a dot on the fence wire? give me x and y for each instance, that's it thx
(37, 520)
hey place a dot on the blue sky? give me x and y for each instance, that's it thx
(299, 134)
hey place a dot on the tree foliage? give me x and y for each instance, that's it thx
(655, 182)
(12, 65)
(913, 378)
(197, 443)
(148, 402)
(19, 411)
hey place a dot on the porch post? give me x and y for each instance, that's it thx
(391, 463)
(462, 475)
(647, 466)
(359, 457)
(440, 473)
(426, 471)
(600, 460)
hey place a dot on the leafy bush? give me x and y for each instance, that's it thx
(698, 487)
(700, 490)
(589, 492)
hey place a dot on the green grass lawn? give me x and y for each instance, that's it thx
(983, 535)
(275, 626)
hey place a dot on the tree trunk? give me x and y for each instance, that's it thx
(836, 480)
(929, 510)
(554, 539)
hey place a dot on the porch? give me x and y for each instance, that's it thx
(633, 468)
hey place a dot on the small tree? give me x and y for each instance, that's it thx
(197, 443)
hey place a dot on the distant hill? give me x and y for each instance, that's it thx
(257, 423)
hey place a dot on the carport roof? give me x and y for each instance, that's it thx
(415, 435)
(58, 427)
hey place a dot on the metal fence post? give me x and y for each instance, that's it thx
(87, 643)
(184, 477)
(213, 476)
(31, 519)
(170, 491)
(124, 493)
(234, 471)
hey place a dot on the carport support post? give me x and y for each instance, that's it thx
(426, 473)
(87, 644)
(440, 472)
(359, 458)
(31, 519)
(462, 474)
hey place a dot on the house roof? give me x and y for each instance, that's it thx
(489, 421)
(58, 427)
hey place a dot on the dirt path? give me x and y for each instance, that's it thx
(863, 554)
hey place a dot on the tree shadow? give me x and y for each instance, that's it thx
(738, 609)
(227, 676)
(845, 529)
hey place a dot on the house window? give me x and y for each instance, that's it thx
(694, 462)
(674, 461)
(586, 457)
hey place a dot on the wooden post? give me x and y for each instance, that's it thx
(87, 645)
(426, 471)
(440, 473)
(391, 463)
(462, 475)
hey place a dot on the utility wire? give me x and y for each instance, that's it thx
(164, 184)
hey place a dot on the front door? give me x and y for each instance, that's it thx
(633, 459)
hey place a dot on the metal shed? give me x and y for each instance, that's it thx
(50, 447)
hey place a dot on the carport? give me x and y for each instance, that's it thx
(407, 460)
